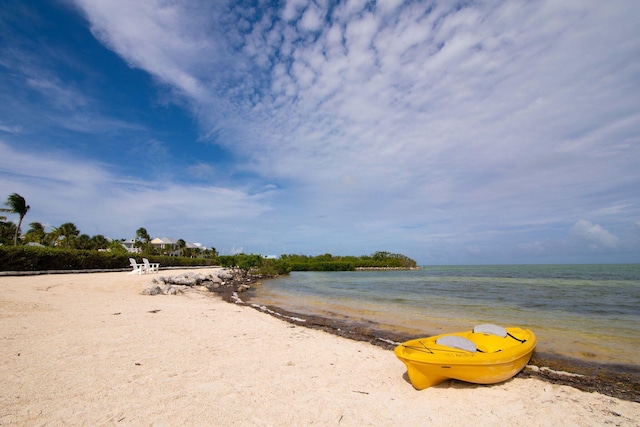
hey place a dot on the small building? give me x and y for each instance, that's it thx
(164, 243)
(129, 245)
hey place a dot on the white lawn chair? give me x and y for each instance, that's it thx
(137, 268)
(150, 267)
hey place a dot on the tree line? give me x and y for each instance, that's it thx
(142, 242)
(67, 236)
(328, 262)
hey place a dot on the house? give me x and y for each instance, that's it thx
(129, 245)
(164, 243)
(196, 246)
(171, 245)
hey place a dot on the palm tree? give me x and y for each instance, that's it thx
(142, 239)
(141, 233)
(35, 233)
(17, 205)
(210, 253)
(99, 242)
(7, 232)
(52, 237)
(83, 241)
(69, 231)
(181, 244)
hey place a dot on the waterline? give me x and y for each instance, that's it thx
(587, 312)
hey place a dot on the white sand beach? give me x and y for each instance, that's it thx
(89, 349)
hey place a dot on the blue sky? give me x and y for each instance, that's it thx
(454, 133)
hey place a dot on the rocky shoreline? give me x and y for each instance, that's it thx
(620, 381)
(225, 282)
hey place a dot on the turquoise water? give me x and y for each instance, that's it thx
(590, 312)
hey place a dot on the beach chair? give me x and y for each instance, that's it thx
(137, 268)
(150, 267)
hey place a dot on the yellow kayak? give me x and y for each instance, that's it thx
(488, 354)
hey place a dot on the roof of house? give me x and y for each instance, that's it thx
(164, 240)
(170, 241)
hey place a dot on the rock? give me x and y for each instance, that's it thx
(173, 290)
(152, 290)
(182, 280)
(225, 275)
(155, 289)
(224, 282)
(211, 285)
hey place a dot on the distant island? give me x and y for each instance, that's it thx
(327, 262)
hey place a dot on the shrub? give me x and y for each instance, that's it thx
(26, 258)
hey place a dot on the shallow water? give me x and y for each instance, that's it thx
(590, 312)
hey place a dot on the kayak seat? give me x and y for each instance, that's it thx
(456, 341)
(488, 328)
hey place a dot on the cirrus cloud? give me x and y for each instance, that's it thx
(420, 127)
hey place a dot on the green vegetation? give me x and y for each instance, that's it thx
(256, 264)
(328, 262)
(66, 248)
(27, 258)
(16, 205)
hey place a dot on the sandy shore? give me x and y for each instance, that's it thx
(88, 349)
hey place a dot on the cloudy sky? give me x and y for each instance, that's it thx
(452, 132)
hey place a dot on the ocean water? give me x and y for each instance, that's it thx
(589, 312)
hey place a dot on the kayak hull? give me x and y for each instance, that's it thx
(496, 360)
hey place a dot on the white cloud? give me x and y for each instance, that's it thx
(201, 170)
(463, 119)
(57, 92)
(594, 234)
(61, 189)
(162, 38)
(312, 19)
(11, 129)
(293, 9)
